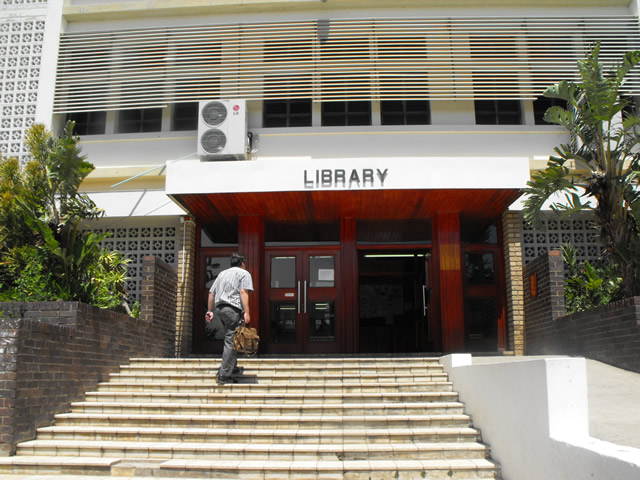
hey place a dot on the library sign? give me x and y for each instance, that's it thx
(341, 178)
(351, 174)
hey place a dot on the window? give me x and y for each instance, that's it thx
(340, 114)
(140, 120)
(498, 112)
(476, 229)
(89, 123)
(185, 116)
(287, 113)
(405, 112)
(541, 105)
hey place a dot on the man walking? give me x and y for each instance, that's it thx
(229, 300)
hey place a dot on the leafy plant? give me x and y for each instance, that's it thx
(604, 141)
(136, 309)
(44, 253)
(25, 277)
(589, 286)
(110, 279)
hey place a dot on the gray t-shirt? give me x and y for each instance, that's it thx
(226, 288)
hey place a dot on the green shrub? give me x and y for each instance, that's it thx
(589, 286)
(24, 276)
(44, 252)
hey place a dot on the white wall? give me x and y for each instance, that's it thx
(336, 142)
(534, 415)
(50, 47)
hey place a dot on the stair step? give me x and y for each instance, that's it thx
(305, 378)
(252, 451)
(57, 464)
(400, 469)
(328, 387)
(279, 367)
(281, 398)
(261, 435)
(388, 408)
(456, 469)
(263, 421)
(283, 362)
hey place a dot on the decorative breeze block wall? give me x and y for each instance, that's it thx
(20, 55)
(556, 231)
(137, 238)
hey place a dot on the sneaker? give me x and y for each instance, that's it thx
(226, 380)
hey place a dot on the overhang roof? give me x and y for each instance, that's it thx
(220, 211)
(317, 191)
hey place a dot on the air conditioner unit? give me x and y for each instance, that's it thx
(222, 130)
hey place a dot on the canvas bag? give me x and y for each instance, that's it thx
(246, 340)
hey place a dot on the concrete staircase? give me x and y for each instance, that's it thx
(298, 418)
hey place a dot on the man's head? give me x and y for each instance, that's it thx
(237, 260)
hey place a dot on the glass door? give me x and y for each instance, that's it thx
(301, 301)
(395, 298)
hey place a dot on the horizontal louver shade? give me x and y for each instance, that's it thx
(429, 58)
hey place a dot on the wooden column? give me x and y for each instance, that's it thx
(348, 292)
(251, 245)
(450, 276)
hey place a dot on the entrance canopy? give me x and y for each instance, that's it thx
(317, 190)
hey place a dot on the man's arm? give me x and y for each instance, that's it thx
(211, 301)
(244, 298)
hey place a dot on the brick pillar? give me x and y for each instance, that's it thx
(543, 301)
(158, 299)
(186, 285)
(512, 249)
(9, 328)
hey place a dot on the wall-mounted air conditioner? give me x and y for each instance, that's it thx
(222, 130)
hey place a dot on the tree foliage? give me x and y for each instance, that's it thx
(604, 149)
(44, 252)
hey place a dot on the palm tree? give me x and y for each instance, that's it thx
(604, 146)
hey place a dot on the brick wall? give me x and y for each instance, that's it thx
(53, 352)
(543, 302)
(610, 333)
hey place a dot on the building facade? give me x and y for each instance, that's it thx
(367, 157)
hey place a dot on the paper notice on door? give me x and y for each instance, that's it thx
(326, 275)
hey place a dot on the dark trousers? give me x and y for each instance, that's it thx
(230, 318)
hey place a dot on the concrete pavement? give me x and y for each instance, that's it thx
(614, 404)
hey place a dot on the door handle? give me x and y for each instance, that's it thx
(305, 296)
(425, 298)
(298, 297)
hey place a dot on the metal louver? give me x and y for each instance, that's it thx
(446, 58)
